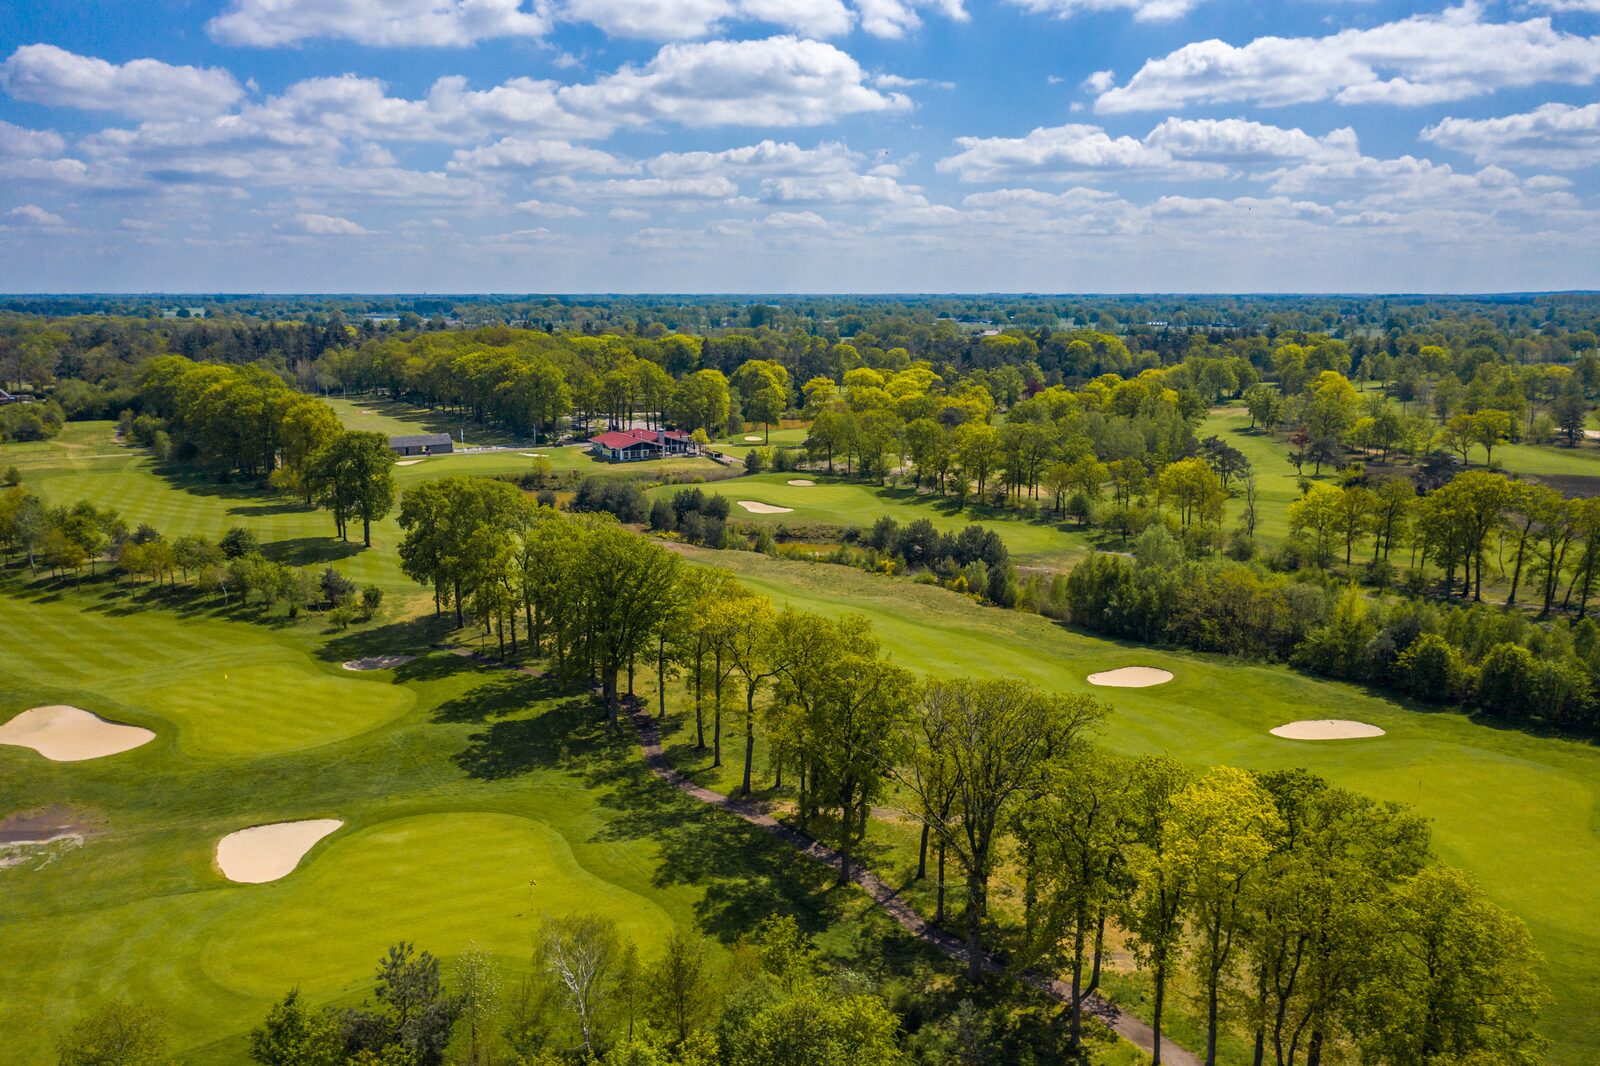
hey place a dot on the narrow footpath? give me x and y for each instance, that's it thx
(1129, 1028)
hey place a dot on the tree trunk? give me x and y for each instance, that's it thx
(922, 854)
(749, 736)
(1160, 976)
(938, 908)
(975, 893)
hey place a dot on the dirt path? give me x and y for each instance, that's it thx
(1129, 1028)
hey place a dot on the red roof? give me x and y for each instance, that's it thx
(617, 441)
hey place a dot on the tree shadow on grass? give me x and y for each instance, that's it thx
(413, 636)
(268, 508)
(308, 551)
(566, 733)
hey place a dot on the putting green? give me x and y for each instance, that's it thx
(191, 673)
(462, 877)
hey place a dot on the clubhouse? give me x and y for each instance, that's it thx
(632, 445)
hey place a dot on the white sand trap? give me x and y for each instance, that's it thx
(408, 462)
(1327, 729)
(802, 483)
(378, 662)
(763, 508)
(267, 852)
(534, 455)
(1131, 677)
(755, 437)
(66, 734)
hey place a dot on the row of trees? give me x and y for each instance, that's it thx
(592, 995)
(68, 538)
(1513, 666)
(1537, 541)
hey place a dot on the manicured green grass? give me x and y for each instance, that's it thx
(1517, 811)
(836, 501)
(458, 785)
(379, 414)
(1277, 484)
(476, 803)
(1546, 459)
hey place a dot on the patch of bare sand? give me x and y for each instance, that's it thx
(1131, 677)
(763, 508)
(67, 734)
(408, 462)
(1327, 729)
(378, 662)
(802, 483)
(267, 852)
(754, 437)
(534, 455)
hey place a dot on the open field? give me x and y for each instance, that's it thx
(1517, 811)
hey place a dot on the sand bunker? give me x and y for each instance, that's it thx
(66, 734)
(763, 508)
(755, 437)
(378, 662)
(1327, 729)
(802, 483)
(534, 455)
(408, 462)
(1131, 677)
(267, 852)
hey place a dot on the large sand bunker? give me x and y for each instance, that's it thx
(378, 662)
(267, 852)
(534, 455)
(66, 734)
(755, 437)
(408, 462)
(1327, 729)
(763, 508)
(1131, 677)
(801, 482)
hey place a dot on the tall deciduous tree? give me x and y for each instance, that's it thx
(1002, 734)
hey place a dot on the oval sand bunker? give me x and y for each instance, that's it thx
(1131, 677)
(804, 483)
(763, 508)
(1327, 729)
(67, 734)
(267, 852)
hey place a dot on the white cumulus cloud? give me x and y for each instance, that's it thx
(1143, 10)
(780, 81)
(1554, 135)
(19, 142)
(34, 215)
(329, 225)
(383, 23)
(1423, 59)
(139, 88)
(669, 20)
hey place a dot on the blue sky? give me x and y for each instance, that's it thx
(799, 145)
